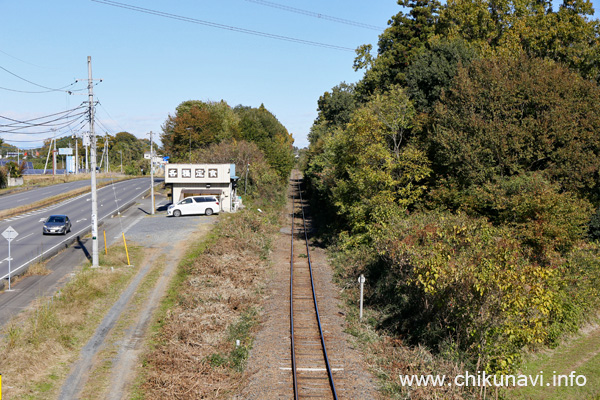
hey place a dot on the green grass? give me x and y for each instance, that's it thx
(576, 355)
(238, 355)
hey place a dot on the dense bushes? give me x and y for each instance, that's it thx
(3, 177)
(451, 281)
(542, 217)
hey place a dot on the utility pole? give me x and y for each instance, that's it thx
(76, 158)
(106, 145)
(54, 159)
(152, 171)
(102, 157)
(95, 262)
(246, 182)
(48, 156)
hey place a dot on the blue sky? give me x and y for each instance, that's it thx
(150, 64)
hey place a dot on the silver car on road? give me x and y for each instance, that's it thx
(57, 224)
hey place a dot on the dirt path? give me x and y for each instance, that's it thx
(79, 372)
(268, 375)
(131, 347)
(132, 315)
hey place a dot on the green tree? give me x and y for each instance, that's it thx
(126, 147)
(396, 113)
(511, 28)
(260, 126)
(503, 117)
(433, 69)
(336, 107)
(406, 36)
(372, 164)
(197, 124)
(264, 184)
(541, 216)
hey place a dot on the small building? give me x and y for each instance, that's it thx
(218, 180)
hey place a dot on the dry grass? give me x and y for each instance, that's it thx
(45, 180)
(39, 345)
(211, 304)
(39, 269)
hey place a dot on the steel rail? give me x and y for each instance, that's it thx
(326, 357)
(292, 303)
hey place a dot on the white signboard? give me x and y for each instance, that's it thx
(9, 234)
(199, 173)
(65, 151)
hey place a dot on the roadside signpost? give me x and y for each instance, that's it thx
(361, 280)
(9, 234)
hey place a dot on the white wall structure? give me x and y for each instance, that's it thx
(203, 179)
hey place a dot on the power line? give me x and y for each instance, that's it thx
(54, 132)
(23, 61)
(27, 91)
(68, 118)
(49, 89)
(103, 126)
(110, 116)
(317, 15)
(28, 123)
(24, 141)
(39, 132)
(221, 26)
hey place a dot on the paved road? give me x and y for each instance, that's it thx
(37, 194)
(66, 262)
(30, 245)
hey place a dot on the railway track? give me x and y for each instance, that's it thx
(313, 376)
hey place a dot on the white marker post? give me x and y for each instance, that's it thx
(361, 280)
(9, 234)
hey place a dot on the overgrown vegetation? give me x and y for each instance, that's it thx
(461, 175)
(206, 324)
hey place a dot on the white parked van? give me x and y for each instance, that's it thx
(195, 205)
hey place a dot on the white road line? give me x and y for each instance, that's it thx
(18, 240)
